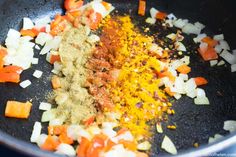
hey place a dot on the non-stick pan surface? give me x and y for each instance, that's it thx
(194, 123)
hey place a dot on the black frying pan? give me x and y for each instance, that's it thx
(194, 123)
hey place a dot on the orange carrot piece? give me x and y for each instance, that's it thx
(168, 91)
(3, 53)
(17, 109)
(29, 32)
(11, 69)
(211, 42)
(56, 82)
(129, 145)
(142, 7)
(167, 74)
(109, 145)
(200, 81)
(57, 129)
(83, 147)
(89, 121)
(161, 15)
(73, 4)
(50, 143)
(9, 77)
(209, 54)
(106, 5)
(94, 20)
(63, 138)
(184, 69)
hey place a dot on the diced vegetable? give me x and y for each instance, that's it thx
(168, 145)
(233, 68)
(25, 83)
(50, 144)
(184, 69)
(65, 149)
(35, 61)
(37, 73)
(180, 46)
(142, 7)
(36, 132)
(17, 109)
(150, 20)
(29, 32)
(209, 54)
(202, 100)
(213, 62)
(221, 63)
(27, 23)
(56, 82)
(230, 58)
(161, 15)
(9, 77)
(41, 139)
(48, 115)
(230, 125)
(73, 4)
(159, 128)
(200, 81)
(218, 37)
(45, 106)
(211, 42)
(144, 146)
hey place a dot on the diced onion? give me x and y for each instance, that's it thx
(51, 44)
(25, 83)
(37, 73)
(199, 25)
(200, 92)
(73, 131)
(180, 46)
(218, 48)
(191, 29)
(27, 23)
(150, 20)
(218, 37)
(37, 47)
(213, 62)
(42, 38)
(233, 68)
(203, 100)
(168, 145)
(45, 106)
(180, 23)
(159, 128)
(65, 149)
(230, 125)
(224, 45)
(153, 12)
(190, 85)
(48, 115)
(41, 139)
(215, 138)
(172, 36)
(99, 8)
(35, 61)
(144, 146)
(171, 16)
(199, 38)
(42, 22)
(221, 63)
(36, 132)
(203, 46)
(57, 121)
(93, 38)
(230, 58)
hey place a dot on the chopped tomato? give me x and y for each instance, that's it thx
(209, 54)
(55, 58)
(50, 143)
(94, 20)
(129, 145)
(11, 69)
(168, 91)
(200, 81)
(58, 25)
(9, 77)
(161, 15)
(56, 83)
(57, 129)
(109, 145)
(29, 32)
(89, 121)
(184, 69)
(73, 4)
(211, 42)
(83, 147)
(142, 7)
(17, 109)
(3, 53)
(167, 74)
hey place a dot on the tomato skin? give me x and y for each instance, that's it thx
(73, 4)
(94, 20)
(209, 54)
(9, 77)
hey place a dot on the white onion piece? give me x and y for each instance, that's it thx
(171, 16)
(65, 149)
(215, 138)
(48, 115)
(57, 121)
(45, 106)
(168, 145)
(199, 25)
(218, 37)
(109, 132)
(73, 131)
(93, 38)
(213, 62)
(27, 23)
(37, 47)
(37, 73)
(230, 58)
(192, 94)
(180, 46)
(221, 63)
(203, 100)
(224, 45)
(184, 76)
(230, 125)
(233, 68)
(13, 38)
(218, 48)
(41, 139)
(185, 60)
(150, 20)
(190, 85)
(178, 86)
(159, 128)
(144, 146)
(199, 38)
(172, 36)
(42, 22)
(203, 47)
(83, 133)
(180, 23)
(94, 130)
(42, 38)
(153, 12)
(125, 136)
(177, 96)
(200, 92)
(119, 151)
(25, 83)
(51, 44)
(35, 61)
(36, 132)
(191, 29)
(99, 8)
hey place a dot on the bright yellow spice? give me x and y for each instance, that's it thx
(136, 92)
